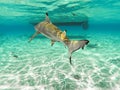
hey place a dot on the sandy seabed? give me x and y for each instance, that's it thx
(38, 66)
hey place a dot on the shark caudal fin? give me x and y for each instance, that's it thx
(75, 45)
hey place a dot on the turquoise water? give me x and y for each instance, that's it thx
(38, 66)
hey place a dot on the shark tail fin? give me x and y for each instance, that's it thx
(75, 45)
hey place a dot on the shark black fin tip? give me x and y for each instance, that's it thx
(70, 61)
(46, 13)
(65, 30)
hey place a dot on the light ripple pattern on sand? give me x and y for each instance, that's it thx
(38, 66)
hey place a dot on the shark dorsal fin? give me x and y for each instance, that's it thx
(47, 18)
(63, 35)
(64, 32)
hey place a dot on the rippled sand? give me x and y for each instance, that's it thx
(38, 66)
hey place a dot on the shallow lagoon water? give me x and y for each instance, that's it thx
(38, 66)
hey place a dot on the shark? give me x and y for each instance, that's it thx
(49, 30)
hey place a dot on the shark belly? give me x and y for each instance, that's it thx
(51, 32)
(51, 36)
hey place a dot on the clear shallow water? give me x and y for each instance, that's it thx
(32, 11)
(38, 66)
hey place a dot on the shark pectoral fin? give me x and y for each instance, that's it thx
(52, 42)
(34, 35)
